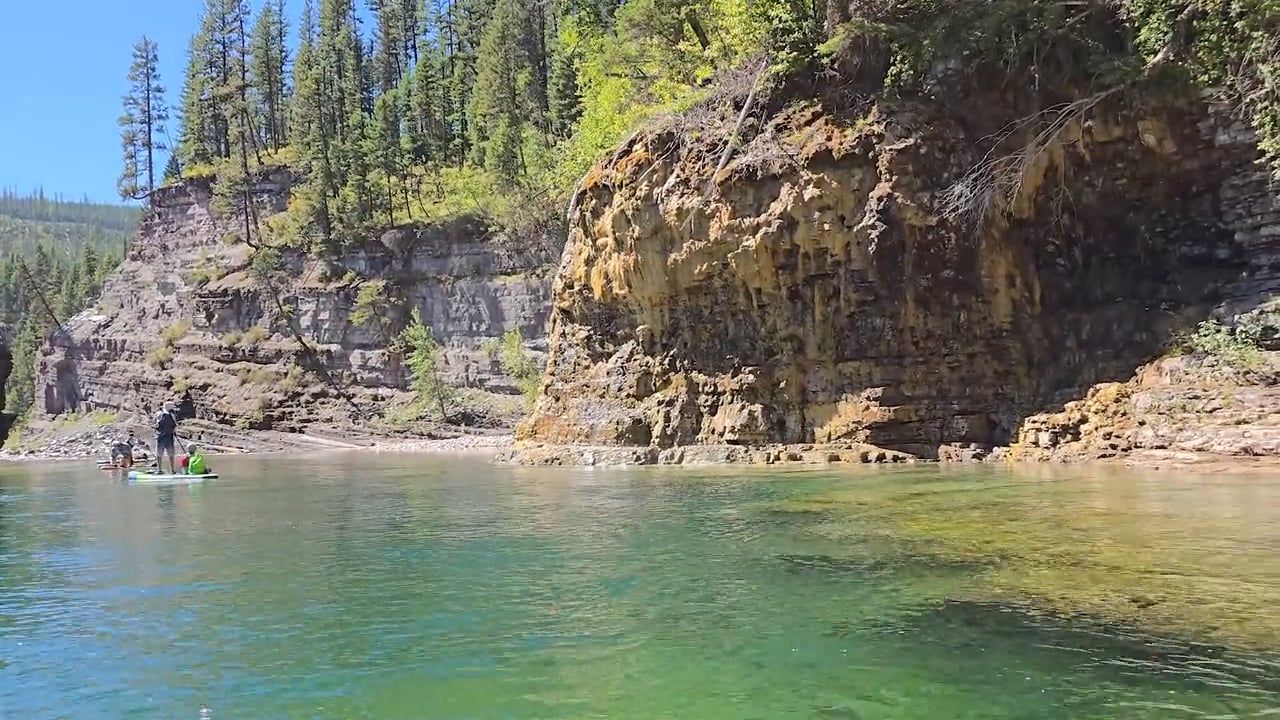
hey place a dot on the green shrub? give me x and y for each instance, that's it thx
(260, 375)
(160, 357)
(175, 332)
(516, 362)
(423, 361)
(232, 339)
(293, 378)
(267, 263)
(1235, 346)
(254, 335)
(205, 271)
(373, 308)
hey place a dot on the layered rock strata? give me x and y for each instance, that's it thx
(187, 316)
(817, 290)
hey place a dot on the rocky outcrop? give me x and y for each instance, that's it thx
(815, 291)
(1185, 407)
(186, 316)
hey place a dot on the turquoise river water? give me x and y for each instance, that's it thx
(384, 586)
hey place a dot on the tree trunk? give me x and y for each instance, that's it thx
(836, 15)
(150, 136)
(696, 26)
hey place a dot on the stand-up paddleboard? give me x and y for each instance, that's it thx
(110, 465)
(136, 476)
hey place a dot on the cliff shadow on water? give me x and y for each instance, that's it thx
(917, 272)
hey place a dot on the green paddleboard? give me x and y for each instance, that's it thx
(144, 477)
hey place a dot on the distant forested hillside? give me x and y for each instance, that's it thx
(54, 256)
(36, 206)
(30, 221)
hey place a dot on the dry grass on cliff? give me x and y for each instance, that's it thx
(715, 124)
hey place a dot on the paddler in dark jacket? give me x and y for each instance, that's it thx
(166, 427)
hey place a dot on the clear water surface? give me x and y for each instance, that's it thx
(362, 586)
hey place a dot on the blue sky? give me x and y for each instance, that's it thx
(62, 71)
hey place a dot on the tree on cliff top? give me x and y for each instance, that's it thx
(268, 72)
(142, 125)
(494, 106)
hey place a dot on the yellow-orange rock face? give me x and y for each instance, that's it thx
(815, 293)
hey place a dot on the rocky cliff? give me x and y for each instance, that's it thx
(850, 278)
(187, 317)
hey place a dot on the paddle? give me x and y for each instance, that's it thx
(181, 443)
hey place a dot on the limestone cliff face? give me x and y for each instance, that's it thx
(816, 292)
(186, 316)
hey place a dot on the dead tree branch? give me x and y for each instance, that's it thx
(994, 184)
(737, 127)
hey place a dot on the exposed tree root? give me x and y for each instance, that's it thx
(993, 186)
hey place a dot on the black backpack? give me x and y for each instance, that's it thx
(166, 424)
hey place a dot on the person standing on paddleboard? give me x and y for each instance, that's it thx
(166, 427)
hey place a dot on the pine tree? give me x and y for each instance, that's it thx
(172, 168)
(142, 126)
(412, 14)
(268, 63)
(462, 24)
(310, 130)
(210, 86)
(90, 272)
(385, 149)
(197, 137)
(71, 292)
(338, 54)
(304, 105)
(389, 46)
(427, 118)
(448, 75)
(21, 384)
(564, 99)
(233, 194)
(501, 103)
(354, 203)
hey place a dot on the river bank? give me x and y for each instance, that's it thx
(92, 435)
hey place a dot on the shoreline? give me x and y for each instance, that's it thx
(466, 444)
(86, 443)
(816, 455)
